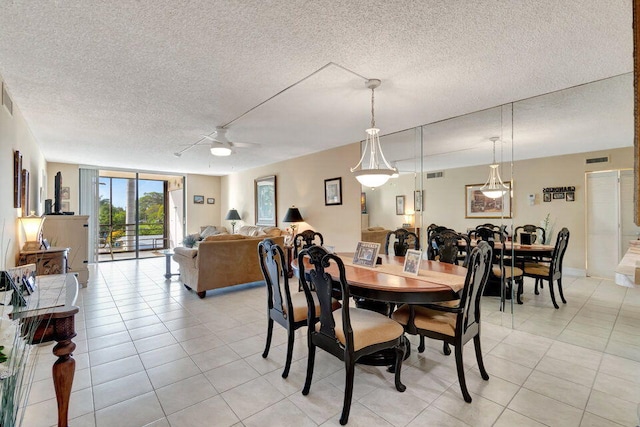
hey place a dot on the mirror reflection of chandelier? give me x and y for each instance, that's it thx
(376, 174)
(494, 187)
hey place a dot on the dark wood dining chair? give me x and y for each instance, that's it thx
(284, 307)
(305, 239)
(533, 230)
(445, 246)
(455, 325)
(349, 333)
(405, 240)
(552, 270)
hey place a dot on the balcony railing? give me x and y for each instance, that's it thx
(122, 237)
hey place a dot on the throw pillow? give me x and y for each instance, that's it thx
(208, 231)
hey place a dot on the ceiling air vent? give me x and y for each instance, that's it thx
(603, 159)
(432, 175)
(6, 101)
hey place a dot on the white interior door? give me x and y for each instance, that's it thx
(603, 219)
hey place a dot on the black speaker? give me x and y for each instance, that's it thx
(48, 206)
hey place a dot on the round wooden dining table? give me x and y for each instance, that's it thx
(381, 285)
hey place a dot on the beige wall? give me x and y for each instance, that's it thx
(199, 215)
(15, 135)
(445, 202)
(300, 182)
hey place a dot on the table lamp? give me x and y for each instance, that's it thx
(233, 216)
(31, 225)
(293, 215)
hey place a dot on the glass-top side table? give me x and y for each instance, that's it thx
(168, 253)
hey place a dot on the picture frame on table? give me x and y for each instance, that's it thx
(333, 191)
(477, 205)
(199, 200)
(412, 261)
(366, 254)
(265, 193)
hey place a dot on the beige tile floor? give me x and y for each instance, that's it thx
(150, 353)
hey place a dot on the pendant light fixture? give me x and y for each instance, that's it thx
(379, 170)
(494, 187)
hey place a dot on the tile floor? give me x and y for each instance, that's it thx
(150, 353)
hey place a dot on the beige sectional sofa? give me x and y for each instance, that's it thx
(225, 259)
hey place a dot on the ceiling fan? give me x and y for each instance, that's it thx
(221, 146)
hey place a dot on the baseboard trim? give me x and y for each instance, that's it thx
(576, 272)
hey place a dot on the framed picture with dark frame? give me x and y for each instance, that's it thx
(363, 202)
(477, 205)
(198, 200)
(266, 200)
(571, 196)
(211, 201)
(557, 196)
(417, 200)
(400, 209)
(366, 254)
(17, 179)
(333, 191)
(546, 197)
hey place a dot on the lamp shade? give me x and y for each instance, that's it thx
(31, 225)
(293, 215)
(233, 215)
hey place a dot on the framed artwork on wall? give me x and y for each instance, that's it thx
(24, 192)
(546, 197)
(198, 200)
(265, 200)
(417, 200)
(480, 206)
(400, 205)
(17, 179)
(333, 191)
(211, 201)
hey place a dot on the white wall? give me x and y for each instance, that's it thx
(300, 182)
(16, 135)
(444, 199)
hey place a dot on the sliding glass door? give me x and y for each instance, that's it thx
(133, 215)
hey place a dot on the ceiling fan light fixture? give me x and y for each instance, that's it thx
(379, 170)
(221, 151)
(494, 188)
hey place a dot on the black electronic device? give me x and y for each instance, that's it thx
(57, 205)
(48, 206)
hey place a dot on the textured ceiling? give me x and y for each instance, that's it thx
(126, 84)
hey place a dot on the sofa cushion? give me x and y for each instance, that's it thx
(218, 237)
(186, 252)
(375, 229)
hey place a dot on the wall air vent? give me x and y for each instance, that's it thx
(6, 101)
(432, 175)
(603, 159)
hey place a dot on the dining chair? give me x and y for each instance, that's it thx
(552, 270)
(404, 240)
(444, 246)
(304, 239)
(531, 229)
(349, 333)
(455, 325)
(284, 307)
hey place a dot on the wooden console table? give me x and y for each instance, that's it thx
(47, 261)
(51, 309)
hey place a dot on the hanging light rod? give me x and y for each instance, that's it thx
(224, 126)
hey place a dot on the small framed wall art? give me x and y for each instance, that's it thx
(198, 200)
(333, 191)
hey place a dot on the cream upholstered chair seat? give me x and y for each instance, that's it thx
(300, 309)
(426, 318)
(369, 328)
(508, 271)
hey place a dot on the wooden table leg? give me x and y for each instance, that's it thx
(63, 371)
(65, 367)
